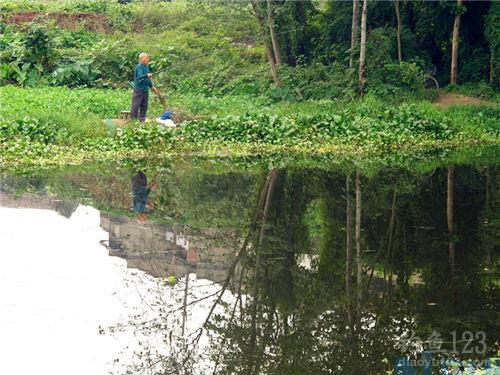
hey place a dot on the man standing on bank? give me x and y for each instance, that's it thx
(142, 84)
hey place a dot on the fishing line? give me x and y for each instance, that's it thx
(217, 50)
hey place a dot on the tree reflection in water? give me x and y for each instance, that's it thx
(315, 271)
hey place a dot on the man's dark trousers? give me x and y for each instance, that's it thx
(139, 105)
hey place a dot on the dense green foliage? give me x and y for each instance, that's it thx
(214, 47)
(75, 62)
(82, 56)
(41, 123)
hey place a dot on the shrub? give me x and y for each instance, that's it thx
(404, 74)
(398, 81)
(76, 74)
(25, 56)
(29, 129)
(103, 64)
(318, 81)
(38, 46)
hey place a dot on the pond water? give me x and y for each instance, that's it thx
(250, 266)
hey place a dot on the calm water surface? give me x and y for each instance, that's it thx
(249, 267)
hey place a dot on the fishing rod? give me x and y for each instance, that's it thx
(164, 102)
(217, 49)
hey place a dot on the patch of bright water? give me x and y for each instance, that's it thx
(60, 294)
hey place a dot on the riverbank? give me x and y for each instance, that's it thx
(56, 125)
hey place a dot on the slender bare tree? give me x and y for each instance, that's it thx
(267, 45)
(492, 33)
(454, 44)
(398, 30)
(272, 31)
(362, 50)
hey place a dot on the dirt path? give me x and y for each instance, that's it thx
(448, 99)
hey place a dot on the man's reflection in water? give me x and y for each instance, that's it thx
(140, 193)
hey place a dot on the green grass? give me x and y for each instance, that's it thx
(58, 125)
(480, 90)
(36, 100)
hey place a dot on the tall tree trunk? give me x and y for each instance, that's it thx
(398, 31)
(454, 45)
(359, 253)
(348, 270)
(272, 31)
(362, 51)
(265, 40)
(354, 30)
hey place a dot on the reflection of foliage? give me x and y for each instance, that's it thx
(294, 319)
(215, 200)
